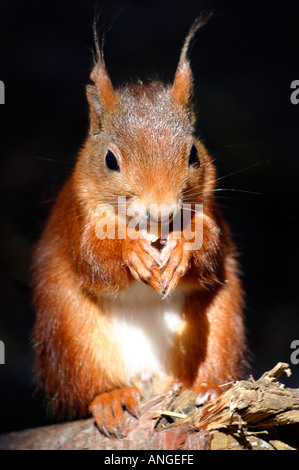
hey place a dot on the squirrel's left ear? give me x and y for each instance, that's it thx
(182, 87)
(101, 95)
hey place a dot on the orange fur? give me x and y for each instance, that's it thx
(78, 355)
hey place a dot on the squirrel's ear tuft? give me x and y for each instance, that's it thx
(100, 95)
(182, 88)
(99, 76)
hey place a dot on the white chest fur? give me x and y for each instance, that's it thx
(144, 325)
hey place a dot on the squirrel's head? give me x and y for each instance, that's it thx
(142, 142)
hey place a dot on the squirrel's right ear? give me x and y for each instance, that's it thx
(101, 95)
(182, 87)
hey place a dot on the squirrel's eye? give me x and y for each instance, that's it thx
(111, 161)
(193, 157)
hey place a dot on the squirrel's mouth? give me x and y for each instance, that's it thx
(155, 230)
(155, 221)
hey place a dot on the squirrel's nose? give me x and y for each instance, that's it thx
(159, 216)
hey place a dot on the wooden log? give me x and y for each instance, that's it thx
(251, 414)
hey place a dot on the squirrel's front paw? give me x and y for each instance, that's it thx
(143, 261)
(107, 409)
(175, 261)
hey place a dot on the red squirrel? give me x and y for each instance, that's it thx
(121, 318)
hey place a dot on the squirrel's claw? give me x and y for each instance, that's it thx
(107, 409)
(143, 261)
(176, 259)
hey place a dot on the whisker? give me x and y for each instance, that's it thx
(237, 172)
(189, 209)
(189, 191)
(237, 191)
(243, 144)
(45, 159)
(46, 201)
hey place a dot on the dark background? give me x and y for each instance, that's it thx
(244, 61)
